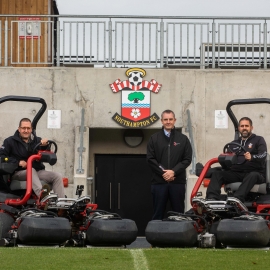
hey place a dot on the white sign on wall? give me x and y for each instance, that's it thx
(221, 119)
(54, 119)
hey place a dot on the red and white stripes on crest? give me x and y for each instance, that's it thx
(118, 85)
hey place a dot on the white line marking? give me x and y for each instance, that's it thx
(139, 259)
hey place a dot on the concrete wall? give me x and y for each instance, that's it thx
(71, 89)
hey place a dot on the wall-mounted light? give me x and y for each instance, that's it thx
(133, 137)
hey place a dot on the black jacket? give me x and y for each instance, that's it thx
(15, 150)
(256, 146)
(174, 153)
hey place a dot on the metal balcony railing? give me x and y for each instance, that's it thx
(122, 41)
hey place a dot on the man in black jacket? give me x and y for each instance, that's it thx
(169, 153)
(19, 147)
(251, 167)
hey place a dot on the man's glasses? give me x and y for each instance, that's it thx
(25, 128)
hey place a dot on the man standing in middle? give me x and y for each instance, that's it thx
(169, 153)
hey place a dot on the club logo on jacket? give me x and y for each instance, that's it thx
(136, 93)
(175, 143)
(250, 145)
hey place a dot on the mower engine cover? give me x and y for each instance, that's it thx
(48, 157)
(227, 160)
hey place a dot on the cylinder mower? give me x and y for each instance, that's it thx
(226, 222)
(27, 219)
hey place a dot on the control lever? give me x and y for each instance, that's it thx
(79, 190)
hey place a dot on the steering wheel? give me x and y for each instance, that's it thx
(227, 149)
(48, 146)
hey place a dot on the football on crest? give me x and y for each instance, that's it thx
(135, 78)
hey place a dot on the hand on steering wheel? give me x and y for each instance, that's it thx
(48, 146)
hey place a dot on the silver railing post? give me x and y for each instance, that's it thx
(213, 44)
(265, 46)
(110, 43)
(161, 43)
(58, 43)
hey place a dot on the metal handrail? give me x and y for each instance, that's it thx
(140, 17)
(149, 43)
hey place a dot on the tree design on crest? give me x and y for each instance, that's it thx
(136, 96)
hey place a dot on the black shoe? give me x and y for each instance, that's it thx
(211, 199)
(45, 191)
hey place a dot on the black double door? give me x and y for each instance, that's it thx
(122, 184)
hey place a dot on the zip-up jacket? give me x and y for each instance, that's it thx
(15, 150)
(171, 153)
(256, 146)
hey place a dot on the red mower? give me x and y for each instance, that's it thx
(226, 222)
(26, 219)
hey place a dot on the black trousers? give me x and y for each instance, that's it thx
(226, 177)
(175, 193)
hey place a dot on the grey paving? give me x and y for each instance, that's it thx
(140, 242)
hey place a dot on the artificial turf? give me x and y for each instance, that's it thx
(100, 258)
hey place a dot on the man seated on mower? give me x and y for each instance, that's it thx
(249, 170)
(18, 148)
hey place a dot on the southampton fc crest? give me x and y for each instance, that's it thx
(136, 99)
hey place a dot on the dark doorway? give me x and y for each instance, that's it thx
(122, 184)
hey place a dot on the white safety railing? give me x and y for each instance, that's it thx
(183, 43)
(83, 42)
(135, 43)
(31, 42)
(121, 41)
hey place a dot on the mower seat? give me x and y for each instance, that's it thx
(258, 188)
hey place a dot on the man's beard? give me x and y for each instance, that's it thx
(245, 134)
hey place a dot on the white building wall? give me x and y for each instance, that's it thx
(71, 89)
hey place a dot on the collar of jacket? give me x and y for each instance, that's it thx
(172, 130)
